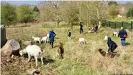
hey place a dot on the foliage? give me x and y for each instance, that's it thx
(112, 3)
(35, 9)
(130, 12)
(36, 13)
(113, 11)
(24, 13)
(8, 14)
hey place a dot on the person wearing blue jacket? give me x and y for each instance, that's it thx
(123, 35)
(111, 44)
(51, 38)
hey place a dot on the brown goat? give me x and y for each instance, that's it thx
(109, 54)
(60, 50)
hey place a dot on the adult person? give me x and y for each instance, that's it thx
(111, 44)
(69, 34)
(123, 35)
(51, 38)
(81, 27)
(95, 28)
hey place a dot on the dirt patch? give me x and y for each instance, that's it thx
(14, 66)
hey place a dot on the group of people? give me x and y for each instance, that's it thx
(112, 45)
(94, 29)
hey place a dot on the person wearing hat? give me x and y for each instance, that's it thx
(111, 44)
(123, 35)
(51, 38)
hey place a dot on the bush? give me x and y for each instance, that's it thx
(8, 14)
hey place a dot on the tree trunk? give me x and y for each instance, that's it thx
(58, 23)
(98, 16)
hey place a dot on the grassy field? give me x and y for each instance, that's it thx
(78, 59)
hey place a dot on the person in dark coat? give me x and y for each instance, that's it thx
(51, 38)
(69, 34)
(95, 28)
(81, 27)
(123, 35)
(111, 44)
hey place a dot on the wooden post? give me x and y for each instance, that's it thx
(109, 23)
(115, 24)
(122, 23)
(131, 25)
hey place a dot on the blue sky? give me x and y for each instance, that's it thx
(35, 2)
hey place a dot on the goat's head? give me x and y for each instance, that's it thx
(60, 44)
(32, 37)
(22, 52)
(103, 53)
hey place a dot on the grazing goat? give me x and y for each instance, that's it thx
(33, 50)
(36, 39)
(103, 53)
(45, 38)
(82, 40)
(115, 33)
(60, 50)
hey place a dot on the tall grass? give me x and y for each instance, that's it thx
(79, 59)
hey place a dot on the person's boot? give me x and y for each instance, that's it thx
(50, 46)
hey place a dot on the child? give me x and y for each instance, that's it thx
(69, 34)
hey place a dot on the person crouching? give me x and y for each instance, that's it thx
(60, 50)
(111, 44)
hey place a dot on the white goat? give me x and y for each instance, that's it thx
(36, 39)
(33, 50)
(82, 40)
(45, 38)
(115, 33)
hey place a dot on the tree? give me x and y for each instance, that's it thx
(112, 3)
(71, 13)
(8, 14)
(93, 12)
(113, 11)
(130, 12)
(36, 13)
(35, 9)
(24, 13)
(74, 12)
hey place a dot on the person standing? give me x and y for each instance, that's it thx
(51, 38)
(69, 34)
(111, 44)
(123, 35)
(81, 27)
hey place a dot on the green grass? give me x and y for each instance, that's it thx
(78, 59)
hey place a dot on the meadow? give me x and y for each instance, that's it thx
(79, 59)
